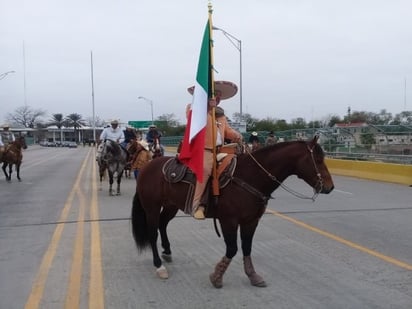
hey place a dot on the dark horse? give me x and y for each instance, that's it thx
(240, 204)
(113, 159)
(13, 155)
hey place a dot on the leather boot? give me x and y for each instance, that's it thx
(216, 278)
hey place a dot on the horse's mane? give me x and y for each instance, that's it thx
(317, 149)
(115, 148)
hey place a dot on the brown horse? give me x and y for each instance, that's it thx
(13, 155)
(240, 204)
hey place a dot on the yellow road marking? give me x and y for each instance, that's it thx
(96, 289)
(348, 243)
(73, 289)
(41, 277)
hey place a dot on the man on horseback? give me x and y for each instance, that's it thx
(129, 135)
(152, 135)
(223, 90)
(113, 133)
(6, 137)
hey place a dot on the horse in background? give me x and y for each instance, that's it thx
(156, 148)
(240, 205)
(131, 149)
(13, 154)
(113, 158)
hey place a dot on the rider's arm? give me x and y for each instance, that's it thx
(103, 135)
(121, 137)
(229, 132)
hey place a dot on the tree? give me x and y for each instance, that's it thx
(356, 117)
(368, 139)
(26, 116)
(334, 119)
(75, 120)
(298, 123)
(97, 121)
(170, 119)
(404, 118)
(58, 120)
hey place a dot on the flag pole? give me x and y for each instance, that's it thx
(215, 183)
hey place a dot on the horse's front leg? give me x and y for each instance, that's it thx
(111, 183)
(18, 171)
(119, 180)
(247, 232)
(4, 168)
(166, 215)
(230, 235)
(10, 172)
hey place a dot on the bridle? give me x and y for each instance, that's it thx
(288, 189)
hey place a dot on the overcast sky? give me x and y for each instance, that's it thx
(300, 58)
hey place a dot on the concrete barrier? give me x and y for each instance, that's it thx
(388, 172)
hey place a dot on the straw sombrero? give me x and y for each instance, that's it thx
(227, 89)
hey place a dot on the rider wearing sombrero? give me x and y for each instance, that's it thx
(113, 133)
(223, 90)
(6, 137)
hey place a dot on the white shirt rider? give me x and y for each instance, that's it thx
(113, 133)
(10, 137)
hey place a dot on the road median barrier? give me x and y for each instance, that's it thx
(380, 171)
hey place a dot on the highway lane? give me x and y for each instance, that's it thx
(63, 243)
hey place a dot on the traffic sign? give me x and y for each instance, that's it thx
(140, 124)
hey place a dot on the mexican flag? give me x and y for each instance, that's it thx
(193, 145)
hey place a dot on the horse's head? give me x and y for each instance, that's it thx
(20, 142)
(112, 151)
(312, 169)
(23, 142)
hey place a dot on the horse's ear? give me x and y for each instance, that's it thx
(314, 141)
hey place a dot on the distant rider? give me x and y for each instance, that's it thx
(151, 136)
(113, 133)
(129, 135)
(6, 137)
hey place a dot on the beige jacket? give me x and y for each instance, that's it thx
(221, 124)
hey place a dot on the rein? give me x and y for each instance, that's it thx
(286, 188)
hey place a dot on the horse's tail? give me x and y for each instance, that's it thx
(139, 224)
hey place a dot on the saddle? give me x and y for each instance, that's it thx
(174, 171)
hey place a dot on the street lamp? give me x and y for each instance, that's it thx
(3, 75)
(151, 105)
(238, 46)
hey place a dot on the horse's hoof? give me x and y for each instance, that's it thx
(261, 284)
(162, 273)
(167, 257)
(216, 282)
(257, 280)
(118, 193)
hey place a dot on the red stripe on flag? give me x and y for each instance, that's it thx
(191, 154)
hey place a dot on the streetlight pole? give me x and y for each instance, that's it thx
(151, 105)
(238, 46)
(3, 75)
